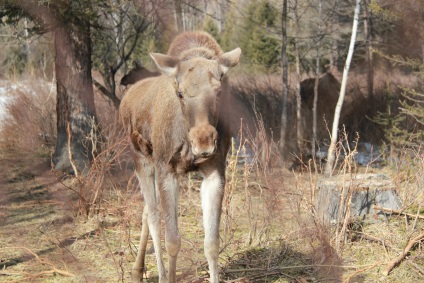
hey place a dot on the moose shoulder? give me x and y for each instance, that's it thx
(178, 122)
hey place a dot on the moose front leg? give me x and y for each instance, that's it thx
(169, 202)
(212, 191)
(139, 264)
(146, 175)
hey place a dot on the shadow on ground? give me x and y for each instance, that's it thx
(280, 264)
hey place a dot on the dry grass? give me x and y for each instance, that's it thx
(88, 229)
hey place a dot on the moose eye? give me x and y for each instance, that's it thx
(180, 94)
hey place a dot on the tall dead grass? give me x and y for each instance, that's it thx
(28, 131)
(107, 177)
(29, 126)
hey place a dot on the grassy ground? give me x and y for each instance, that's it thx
(268, 231)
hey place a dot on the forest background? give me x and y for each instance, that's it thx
(62, 63)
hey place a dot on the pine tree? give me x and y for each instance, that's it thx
(259, 40)
(211, 28)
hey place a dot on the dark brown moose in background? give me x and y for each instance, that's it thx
(137, 74)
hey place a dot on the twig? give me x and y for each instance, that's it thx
(398, 260)
(266, 274)
(416, 217)
(400, 212)
(75, 191)
(360, 271)
(53, 270)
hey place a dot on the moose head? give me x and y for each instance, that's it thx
(199, 83)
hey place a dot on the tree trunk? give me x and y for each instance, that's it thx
(284, 58)
(334, 58)
(178, 16)
(331, 149)
(368, 51)
(314, 108)
(299, 130)
(75, 98)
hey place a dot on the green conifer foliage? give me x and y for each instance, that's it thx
(211, 28)
(259, 39)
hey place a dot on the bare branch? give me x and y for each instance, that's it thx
(402, 256)
(116, 101)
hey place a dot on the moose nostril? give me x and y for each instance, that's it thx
(205, 153)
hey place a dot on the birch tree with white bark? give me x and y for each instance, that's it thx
(334, 132)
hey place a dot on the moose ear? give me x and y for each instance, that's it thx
(230, 59)
(166, 64)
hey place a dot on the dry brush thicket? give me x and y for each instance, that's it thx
(271, 231)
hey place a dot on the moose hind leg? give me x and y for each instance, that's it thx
(212, 194)
(146, 174)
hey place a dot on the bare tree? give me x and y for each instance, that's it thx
(121, 30)
(179, 15)
(317, 74)
(334, 57)
(368, 49)
(284, 58)
(334, 132)
(299, 135)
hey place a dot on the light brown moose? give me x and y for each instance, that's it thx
(178, 122)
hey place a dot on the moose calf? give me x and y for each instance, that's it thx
(178, 122)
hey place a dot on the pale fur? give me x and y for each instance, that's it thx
(172, 135)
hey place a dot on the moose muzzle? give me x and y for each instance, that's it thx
(203, 139)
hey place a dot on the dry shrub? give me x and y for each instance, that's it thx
(253, 95)
(29, 126)
(321, 240)
(109, 174)
(107, 171)
(409, 178)
(111, 166)
(257, 108)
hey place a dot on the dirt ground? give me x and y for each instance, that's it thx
(267, 234)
